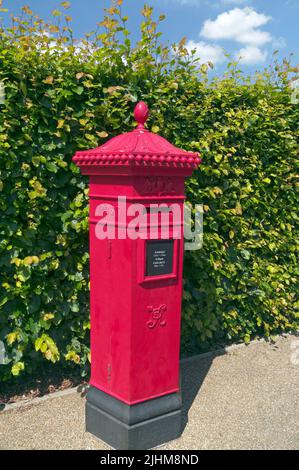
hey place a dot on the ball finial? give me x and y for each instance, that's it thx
(141, 113)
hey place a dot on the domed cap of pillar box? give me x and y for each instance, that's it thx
(139, 148)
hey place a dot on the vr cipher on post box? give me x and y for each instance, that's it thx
(136, 183)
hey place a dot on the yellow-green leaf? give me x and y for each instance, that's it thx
(238, 209)
(38, 343)
(49, 80)
(48, 316)
(56, 13)
(231, 234)
(16, 368)
(102, 134)
(65, 5)
(60, 123)
(11, 337)
(247, 338)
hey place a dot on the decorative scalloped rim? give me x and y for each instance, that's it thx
(186, 159)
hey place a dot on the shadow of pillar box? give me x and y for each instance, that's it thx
(135, 286)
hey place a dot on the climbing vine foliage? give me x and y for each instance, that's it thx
(59, 95)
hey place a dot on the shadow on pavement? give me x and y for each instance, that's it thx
(193, 373)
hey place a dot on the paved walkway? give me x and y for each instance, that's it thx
(246, 398)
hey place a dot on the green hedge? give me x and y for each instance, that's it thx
(60, 98)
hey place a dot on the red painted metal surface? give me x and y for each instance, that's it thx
(135, 318)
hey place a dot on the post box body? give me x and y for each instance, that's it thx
(135, 286)
(135, 317)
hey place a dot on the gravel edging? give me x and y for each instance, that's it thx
(233, 347)
(37, 400)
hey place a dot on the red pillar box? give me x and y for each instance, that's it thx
(136, 260)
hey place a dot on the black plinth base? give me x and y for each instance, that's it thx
(133, 427)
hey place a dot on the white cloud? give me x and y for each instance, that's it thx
(206, 52)
(255, 37)
(240, 25)
(251, 55)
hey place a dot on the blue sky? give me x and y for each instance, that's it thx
(250, 29)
